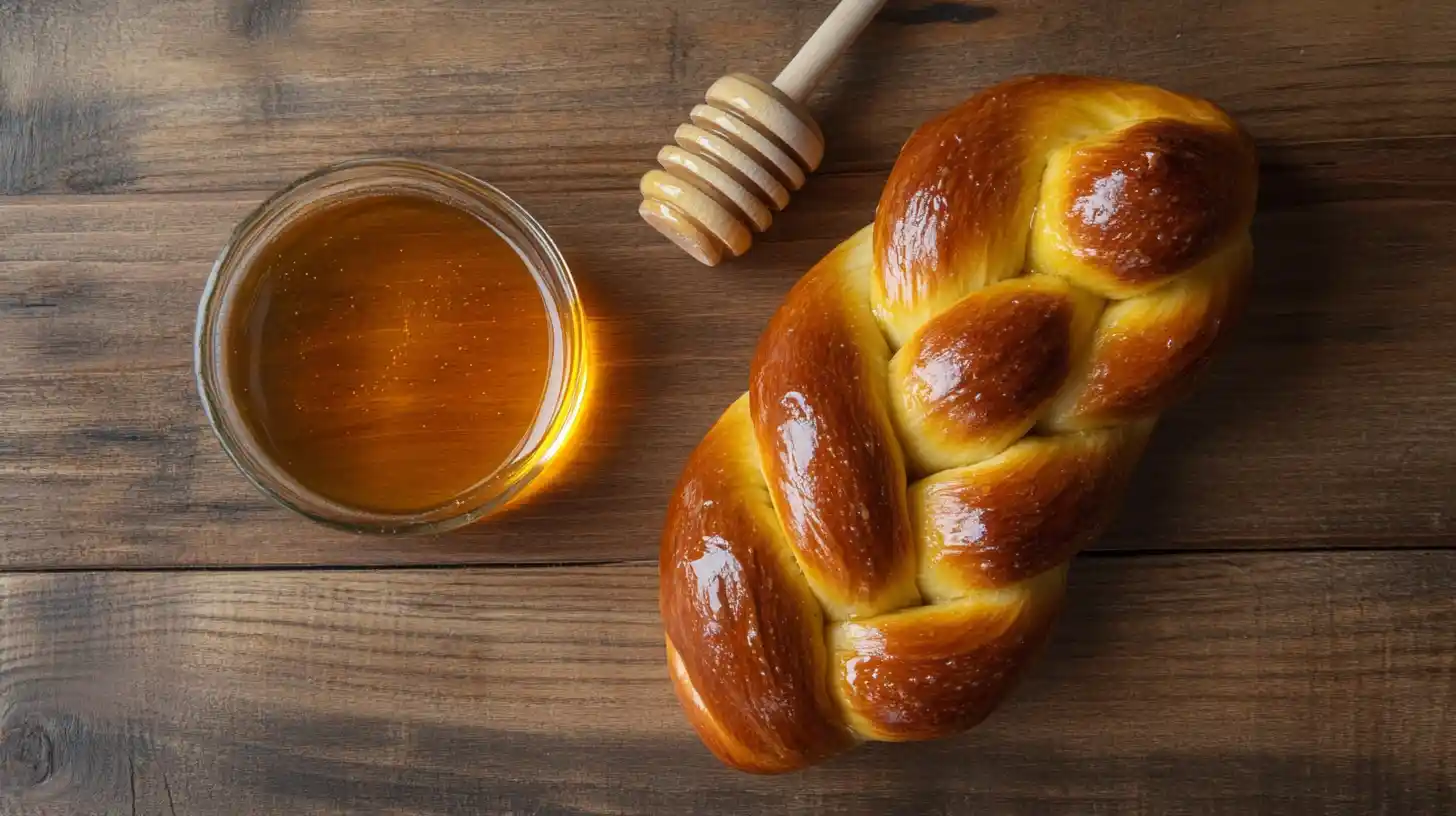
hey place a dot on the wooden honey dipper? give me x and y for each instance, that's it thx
(746, 149)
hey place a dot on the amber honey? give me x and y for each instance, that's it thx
(393, 352)
(390, 345)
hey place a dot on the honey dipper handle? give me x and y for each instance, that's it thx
(834, 35)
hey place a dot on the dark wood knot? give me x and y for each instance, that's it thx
(256, 20)
(27, 757)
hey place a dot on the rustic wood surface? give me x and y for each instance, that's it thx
(1269, 628)
(1293, 682)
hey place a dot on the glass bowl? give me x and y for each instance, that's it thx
(566, 382)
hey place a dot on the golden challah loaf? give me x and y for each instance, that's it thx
(871, 544)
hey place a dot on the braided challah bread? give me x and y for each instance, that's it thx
(872, 543)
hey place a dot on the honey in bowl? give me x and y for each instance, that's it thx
(393, 352)
(391, 346)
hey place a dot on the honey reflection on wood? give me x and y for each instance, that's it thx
(391, 353)
(591, 434)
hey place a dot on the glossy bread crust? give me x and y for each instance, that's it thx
(931, 671)
(975, 378)
(827, 446)
(872, 543)
(743, 630)
(1027, 510)
(1123, 214)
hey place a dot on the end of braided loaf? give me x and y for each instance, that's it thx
(872, 543)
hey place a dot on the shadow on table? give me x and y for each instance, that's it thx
(1301, 268)
(602, 444)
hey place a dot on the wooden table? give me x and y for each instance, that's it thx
(1269, 628)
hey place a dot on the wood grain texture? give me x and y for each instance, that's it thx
(246, 94)
(134, 134)
(1323, 421)
(1256, 653)
(1295, 683)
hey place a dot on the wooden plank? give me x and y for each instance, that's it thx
(108, 95)
(1257, 682)
(1323, 422)
(1316, 427)
(134, 133)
